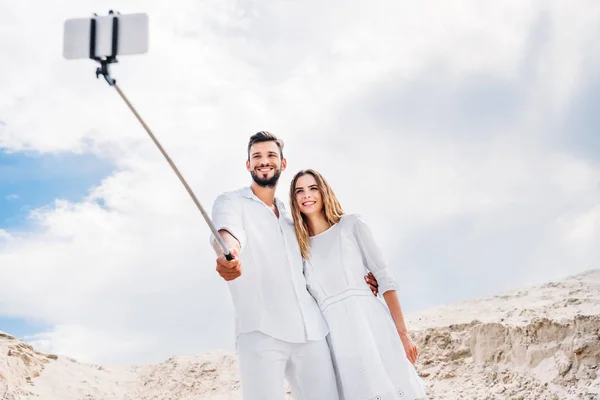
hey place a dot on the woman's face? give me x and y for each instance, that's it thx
(308, 196)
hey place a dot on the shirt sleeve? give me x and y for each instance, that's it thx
(227, 215)
(372, 255)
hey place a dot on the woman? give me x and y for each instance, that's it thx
(371, 349)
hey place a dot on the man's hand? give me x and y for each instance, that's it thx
(372, 282)
(229, 270)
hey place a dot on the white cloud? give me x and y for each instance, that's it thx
(434, 120)
(580, 231)
(12, 197)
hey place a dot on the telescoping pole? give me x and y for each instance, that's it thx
(104, 71)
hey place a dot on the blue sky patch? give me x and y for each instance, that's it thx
(20, 327)
(32, 180)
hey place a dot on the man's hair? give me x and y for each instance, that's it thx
(264, 136)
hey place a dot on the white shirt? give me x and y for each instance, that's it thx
(271, 294)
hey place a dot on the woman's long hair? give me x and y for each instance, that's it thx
(332, 210)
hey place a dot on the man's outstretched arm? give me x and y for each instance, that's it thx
(227, 218)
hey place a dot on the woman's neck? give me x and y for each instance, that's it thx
(317, 224)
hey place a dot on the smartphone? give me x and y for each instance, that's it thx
(132, 36)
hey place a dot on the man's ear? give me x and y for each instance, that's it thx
(283, 164)
(248, 165)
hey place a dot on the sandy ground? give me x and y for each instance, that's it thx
(538, 343)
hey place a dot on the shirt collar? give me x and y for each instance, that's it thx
(247, 192)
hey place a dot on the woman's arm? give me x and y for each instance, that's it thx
(373, 260)
(393, 303)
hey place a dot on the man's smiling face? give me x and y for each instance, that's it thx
(265, 163)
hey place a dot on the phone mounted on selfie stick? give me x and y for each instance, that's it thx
(102, 39)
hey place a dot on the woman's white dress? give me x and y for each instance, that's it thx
(368, 355)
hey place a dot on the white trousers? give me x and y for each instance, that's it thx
(266, 361)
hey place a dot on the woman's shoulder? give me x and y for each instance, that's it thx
(349, 221)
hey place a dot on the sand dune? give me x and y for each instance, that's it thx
(537, 343)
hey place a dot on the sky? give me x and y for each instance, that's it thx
(465, 133)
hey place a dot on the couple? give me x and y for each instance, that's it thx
(304, 309)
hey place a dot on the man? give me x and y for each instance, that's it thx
(280, 331)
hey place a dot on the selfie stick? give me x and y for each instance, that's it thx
(103, 70)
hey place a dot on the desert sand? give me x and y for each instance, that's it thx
(537, 343)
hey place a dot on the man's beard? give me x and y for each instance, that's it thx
(266, 183)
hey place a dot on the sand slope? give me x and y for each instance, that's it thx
(536, 343)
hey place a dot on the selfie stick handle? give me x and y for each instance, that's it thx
(103, 70)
